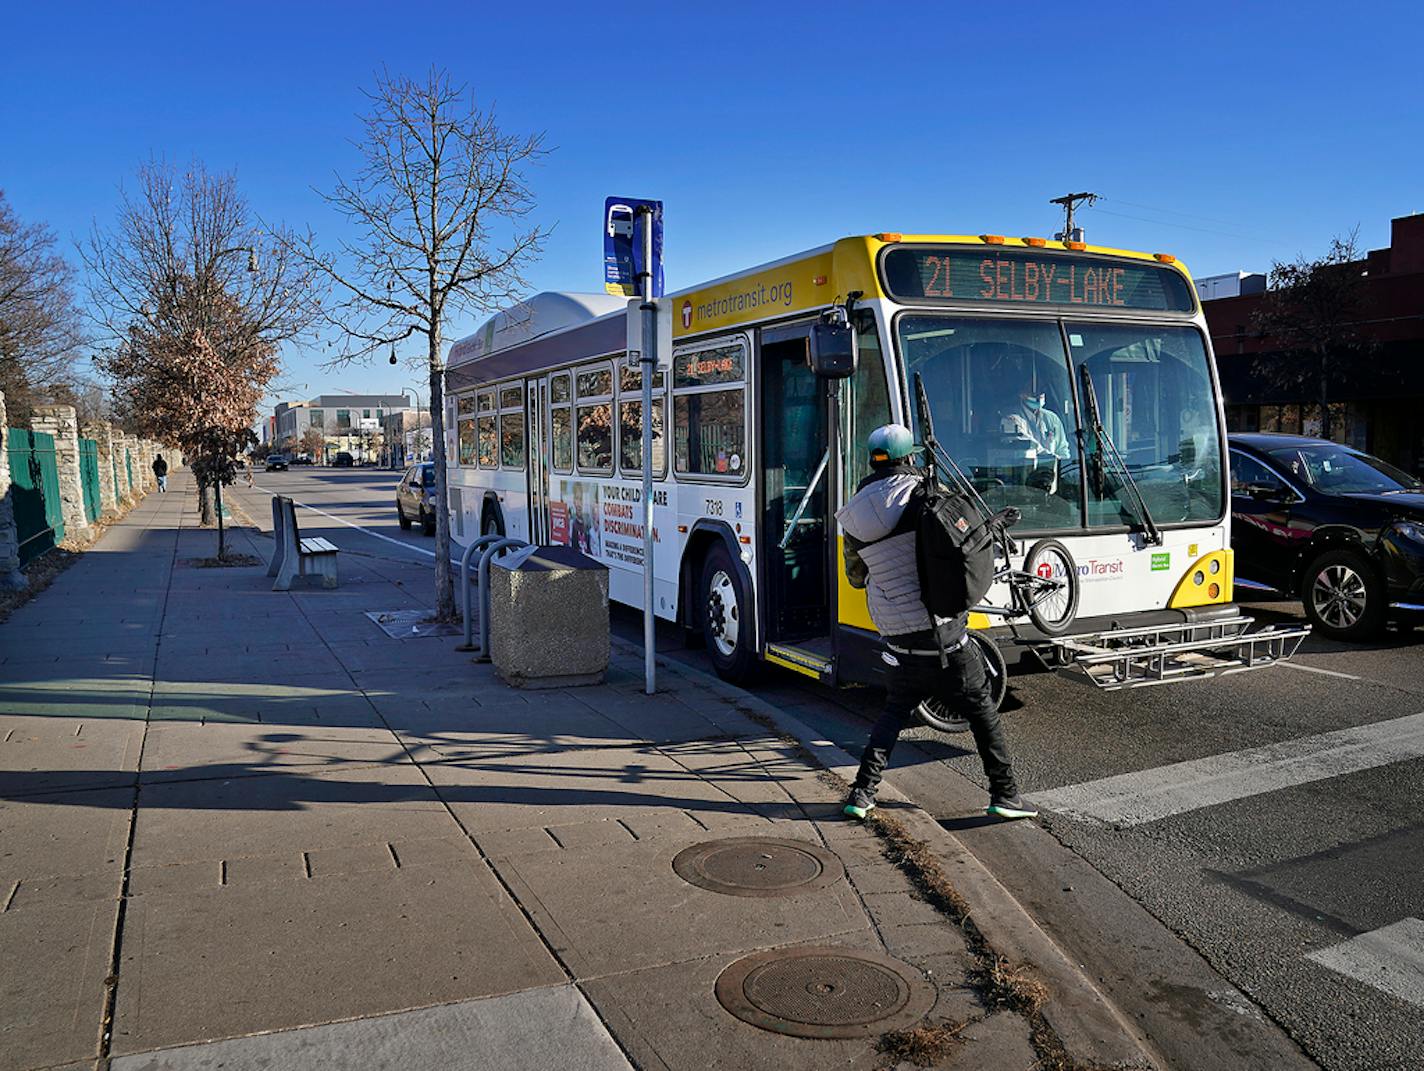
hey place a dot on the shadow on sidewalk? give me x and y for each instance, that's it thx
(285, 788)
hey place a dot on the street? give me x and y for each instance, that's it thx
(1241, 816)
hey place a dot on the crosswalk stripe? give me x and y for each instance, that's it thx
(1390, 959)
(1148, 795)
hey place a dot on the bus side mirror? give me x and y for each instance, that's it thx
(832, 350)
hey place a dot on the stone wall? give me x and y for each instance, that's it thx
(11, 579)
(103, 434)
(60, 421)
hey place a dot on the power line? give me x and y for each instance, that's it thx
(1188, 227)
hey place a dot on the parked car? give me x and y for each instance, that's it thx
(1335, 527)
(276, 463)
(302, 459)
(415, 497)
(342, 460)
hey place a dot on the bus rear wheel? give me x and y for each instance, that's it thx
(727, 617)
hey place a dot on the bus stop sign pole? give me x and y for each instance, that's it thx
(648, 363)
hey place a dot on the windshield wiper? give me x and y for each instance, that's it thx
(1107, 448)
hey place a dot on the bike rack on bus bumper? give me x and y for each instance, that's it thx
(1136, 657)
(489, 546)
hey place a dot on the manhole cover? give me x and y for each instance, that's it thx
(824, 992)
(758, 866)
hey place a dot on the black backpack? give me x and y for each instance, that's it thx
(954, 554)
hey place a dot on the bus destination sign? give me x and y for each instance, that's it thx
(1023, 277)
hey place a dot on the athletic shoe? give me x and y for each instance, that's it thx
(860, 805)
(1010, 807)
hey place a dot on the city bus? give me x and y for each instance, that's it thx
(1040, 361)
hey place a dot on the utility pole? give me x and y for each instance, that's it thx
(1071, 201)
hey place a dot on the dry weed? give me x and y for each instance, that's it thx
(923, 1046)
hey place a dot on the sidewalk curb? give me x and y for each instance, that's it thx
(1092, 1031)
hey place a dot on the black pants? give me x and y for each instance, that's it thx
(963, 686)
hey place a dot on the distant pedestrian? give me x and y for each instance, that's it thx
(160, 472)
(247, 470)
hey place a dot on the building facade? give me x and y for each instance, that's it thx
(350, 423)
(407, 437)
(1376, 392)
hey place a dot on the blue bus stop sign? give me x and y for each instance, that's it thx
(623, 247)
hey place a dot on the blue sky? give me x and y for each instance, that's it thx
(1227, 134)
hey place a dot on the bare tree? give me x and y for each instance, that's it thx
(1311, 314)
(438, 205)
(188, 269)
(41, 329)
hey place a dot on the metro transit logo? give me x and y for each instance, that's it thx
(686, 314)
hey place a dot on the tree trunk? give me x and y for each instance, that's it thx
(222, 546)
(444, 583)
(205, 505)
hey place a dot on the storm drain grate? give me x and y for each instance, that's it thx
(824, 992)
(758, 866)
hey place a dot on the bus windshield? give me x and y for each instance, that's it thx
(1006, 409)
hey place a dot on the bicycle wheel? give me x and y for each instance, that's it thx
(937, 715)
(1052, 612)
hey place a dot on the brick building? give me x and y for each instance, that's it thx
(1378, 400)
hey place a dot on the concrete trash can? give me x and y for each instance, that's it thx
(548, 618)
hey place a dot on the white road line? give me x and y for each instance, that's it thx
(1390, 959)
(1135, 798)
(359, 528)
(1315, 669)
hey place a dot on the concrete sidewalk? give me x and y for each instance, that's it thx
(245, 829)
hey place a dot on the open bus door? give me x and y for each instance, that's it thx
(795, 552)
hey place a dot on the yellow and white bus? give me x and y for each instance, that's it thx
(1005, 333)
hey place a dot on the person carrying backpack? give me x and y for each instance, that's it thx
(895, 524)
(160, 471)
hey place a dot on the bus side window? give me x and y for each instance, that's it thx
(561, 434)
(465, 410)
(488, 432)
(511, 427)
(594, 419)
(710, 411)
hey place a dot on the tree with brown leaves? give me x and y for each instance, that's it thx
(313, 442)
(438, 205)
(194, 298)
(180, 390)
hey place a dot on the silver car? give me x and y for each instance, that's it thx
(415, 497)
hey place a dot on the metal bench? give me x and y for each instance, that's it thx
(293, 556)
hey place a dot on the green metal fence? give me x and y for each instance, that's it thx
(34, 478)
(114, 471)
(89, 478)
(128, 462)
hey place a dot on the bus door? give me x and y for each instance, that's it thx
(795, 526)
(536, 405)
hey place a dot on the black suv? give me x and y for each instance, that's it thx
(1333, 526)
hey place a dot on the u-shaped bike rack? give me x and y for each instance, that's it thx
(490, 547)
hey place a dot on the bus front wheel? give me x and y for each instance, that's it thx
(727, 617)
